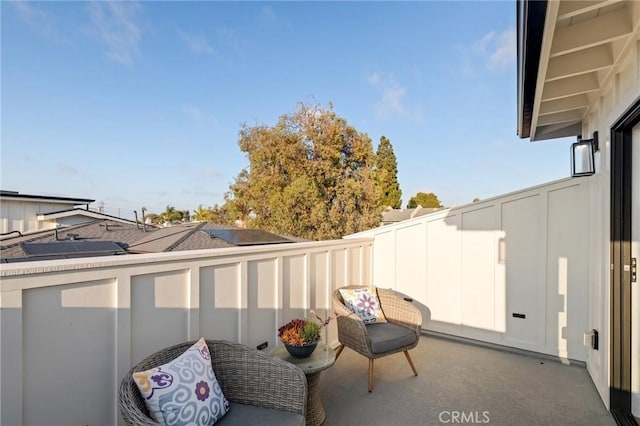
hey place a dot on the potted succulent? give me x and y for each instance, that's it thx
(301, 336)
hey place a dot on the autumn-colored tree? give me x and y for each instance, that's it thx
(309, 176)
(386, 173)
(425, 200)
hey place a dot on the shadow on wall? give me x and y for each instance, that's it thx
(524, 267)
(510, 270)
(69, 336)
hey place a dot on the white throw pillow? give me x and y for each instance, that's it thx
(364, 302)
(184, 391)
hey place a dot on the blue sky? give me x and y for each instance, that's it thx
(140, 104)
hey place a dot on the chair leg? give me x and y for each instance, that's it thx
(339, 351)
(370, 374)
(413, 367)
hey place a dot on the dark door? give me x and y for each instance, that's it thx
(621, 271)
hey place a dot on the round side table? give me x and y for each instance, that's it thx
(322, 358)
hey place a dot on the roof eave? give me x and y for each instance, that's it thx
(81, 212)
(531, 16)
(14, 195)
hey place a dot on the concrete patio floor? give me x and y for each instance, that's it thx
(460, 383)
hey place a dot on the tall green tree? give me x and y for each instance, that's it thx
(423, 199)
(310, 175)
(386, 173)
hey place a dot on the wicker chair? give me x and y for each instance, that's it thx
(401, 333)
(246, 376)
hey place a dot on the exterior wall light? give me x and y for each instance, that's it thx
(583, 156)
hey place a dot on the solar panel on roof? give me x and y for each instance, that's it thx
(67, 248)
(246, 237)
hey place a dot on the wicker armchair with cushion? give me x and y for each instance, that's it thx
(259, 388)
(399, 333)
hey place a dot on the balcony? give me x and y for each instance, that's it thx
(458, 381)
(71, 329)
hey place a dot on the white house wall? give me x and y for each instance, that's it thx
(618, 94)
(511, 270)
(19, 215)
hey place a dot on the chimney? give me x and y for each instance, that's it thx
(144, 227)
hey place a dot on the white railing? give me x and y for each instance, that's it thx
(71, 329)
(511, 270)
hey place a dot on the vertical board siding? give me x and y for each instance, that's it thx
(320, 289)
(567, 273)
(69, 332)
(523, 294)
(384, 249)
(472, 267)
(354, 259)
(340, 275)
(412, 258)
(264, 300)
(220, 302)
(71, 329)
(295, 297)
(478, 269)
(620, 91)
(444, 260)
(159, 314)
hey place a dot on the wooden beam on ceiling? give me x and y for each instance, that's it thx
(571, 86)
(564, 104)
(569, 9)
(581, 62)
(555, 131)
(560, 117)
(592, 32)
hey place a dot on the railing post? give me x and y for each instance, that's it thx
(11, 350)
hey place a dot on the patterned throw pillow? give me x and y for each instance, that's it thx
(364, 303)
(185, 390)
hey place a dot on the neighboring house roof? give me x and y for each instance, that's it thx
(15, 195)
(130, 236)
(398, 215)
(97, 230)
(188, 236)
(201, 240)
(179, 237)
(81, 212)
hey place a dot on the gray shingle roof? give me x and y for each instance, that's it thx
(187, 236)
(98, 230)
(201, 240)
